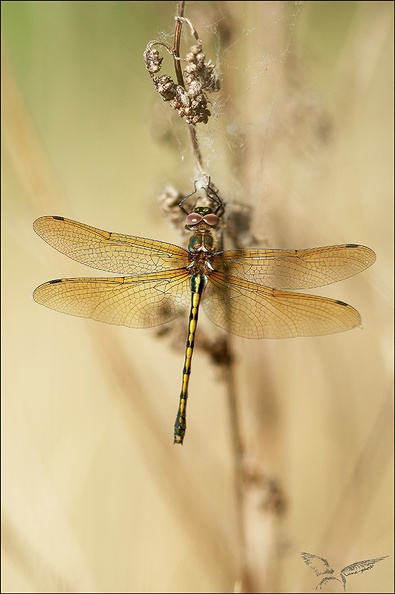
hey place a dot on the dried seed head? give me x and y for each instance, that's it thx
(152, 60)
(165, 86)
(198, 70)
(210, 80)
(190, 100)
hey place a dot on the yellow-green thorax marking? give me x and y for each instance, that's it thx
(201, 247)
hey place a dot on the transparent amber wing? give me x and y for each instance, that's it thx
(112, 252)
(295, 269)
(254, 311)
(138, 301)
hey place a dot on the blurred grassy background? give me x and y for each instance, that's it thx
(95, 496)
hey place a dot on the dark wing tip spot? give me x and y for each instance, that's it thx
(341, 303)
(58, 218)
(56, 280)
(352, 245)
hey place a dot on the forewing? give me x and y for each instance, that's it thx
(137, 302)
(112, 252)
(253, 311)
(295, 269)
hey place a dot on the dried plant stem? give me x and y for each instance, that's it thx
(196, 150)
(177, 67)
(238, 466)
(232, 395)
(245, 577)
(177, 41)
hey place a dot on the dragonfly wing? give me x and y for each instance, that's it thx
(112, 252)
(254, 311)
(137, 302)
(295, 269)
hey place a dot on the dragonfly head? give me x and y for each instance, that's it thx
(201, 218)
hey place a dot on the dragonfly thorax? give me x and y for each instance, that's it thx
(201, 242)
(201, 249)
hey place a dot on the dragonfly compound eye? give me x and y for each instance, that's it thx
(193, 219)
(211, 219)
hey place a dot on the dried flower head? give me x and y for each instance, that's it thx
(199, 77)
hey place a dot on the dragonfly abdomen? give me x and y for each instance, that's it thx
(198, 283)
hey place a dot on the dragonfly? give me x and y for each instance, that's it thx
(247, 292)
